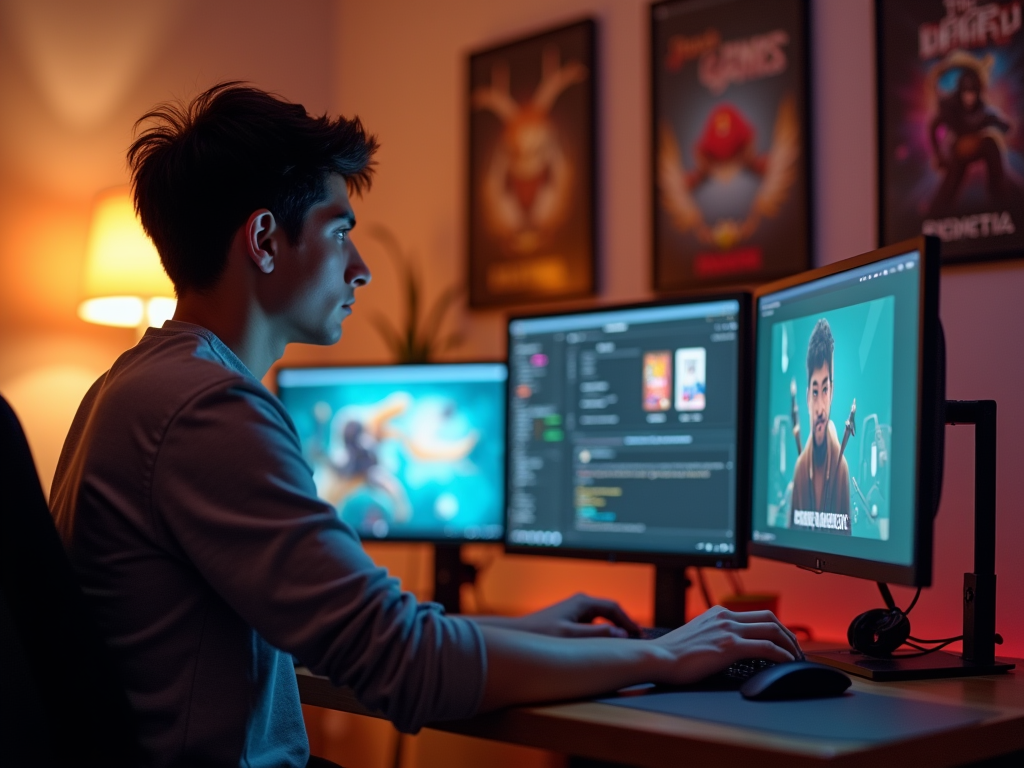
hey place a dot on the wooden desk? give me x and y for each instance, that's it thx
(632, 737)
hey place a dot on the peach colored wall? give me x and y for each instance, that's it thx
(74, 76)
(401, 67)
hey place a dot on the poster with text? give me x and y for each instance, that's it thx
(531, 169)
(730, 146)
(951, 104)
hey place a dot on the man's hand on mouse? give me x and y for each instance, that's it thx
(718, 637)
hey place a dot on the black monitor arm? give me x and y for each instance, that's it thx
(980, 586)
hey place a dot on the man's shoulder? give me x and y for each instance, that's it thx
(179, 363)
(167, 372)
(802, 460)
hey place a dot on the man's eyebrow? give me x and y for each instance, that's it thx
(344, 217)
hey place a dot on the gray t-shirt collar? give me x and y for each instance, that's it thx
(229, 358)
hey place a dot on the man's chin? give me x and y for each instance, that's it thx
(325, 337)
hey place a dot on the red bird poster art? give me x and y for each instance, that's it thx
(531, 186)
(951, 107)
(729, 146)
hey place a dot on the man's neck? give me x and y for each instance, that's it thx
(243, 330)
(820, 452)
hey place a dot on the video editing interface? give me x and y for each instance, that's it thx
(622, 429)
(835, 420)
(405, 452)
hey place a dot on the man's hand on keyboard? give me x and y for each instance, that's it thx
(573, 617)
(718, 637)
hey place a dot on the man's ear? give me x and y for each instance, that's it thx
(261, 233)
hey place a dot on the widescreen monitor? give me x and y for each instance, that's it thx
(625, 436)
(405, 452)
(849, 416)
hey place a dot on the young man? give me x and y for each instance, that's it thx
(192, 518)
(821, 478)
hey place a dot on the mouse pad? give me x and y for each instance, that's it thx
(854, 716)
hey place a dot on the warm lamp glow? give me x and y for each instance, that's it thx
(125, 284)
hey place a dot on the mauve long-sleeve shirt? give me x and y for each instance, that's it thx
(208, 562)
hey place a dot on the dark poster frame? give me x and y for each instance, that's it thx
(769, 269)
(577, 233)
(884, 88)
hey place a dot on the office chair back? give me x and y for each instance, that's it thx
(60, 702)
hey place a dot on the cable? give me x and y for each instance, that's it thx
(942, 640)
(925, 651)
(912, 602)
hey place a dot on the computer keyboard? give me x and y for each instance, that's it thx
(732, 676)
(744, 669)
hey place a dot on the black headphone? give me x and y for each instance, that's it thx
(880, 631)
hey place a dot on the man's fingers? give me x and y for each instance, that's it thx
(762, 617)
(763, 649)
(608, 609)
(769, 631)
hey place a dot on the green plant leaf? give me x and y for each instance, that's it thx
(412, 306)
(412, 341)
(388, 240)
(391, 337)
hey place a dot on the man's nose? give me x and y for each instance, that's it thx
(358, 273)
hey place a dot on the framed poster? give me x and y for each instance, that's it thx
(730, 148)
(531, 168)
(951, 125)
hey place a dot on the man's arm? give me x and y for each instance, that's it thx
(525, 667)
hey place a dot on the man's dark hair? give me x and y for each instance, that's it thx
(200, 169)
(820, 349)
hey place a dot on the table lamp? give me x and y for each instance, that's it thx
(125, 284)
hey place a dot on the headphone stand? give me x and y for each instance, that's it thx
(979, 595)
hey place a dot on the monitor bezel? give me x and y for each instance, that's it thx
(930, 409)
(454, 540)
(744, 457)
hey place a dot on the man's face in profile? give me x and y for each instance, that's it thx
(318, 275)
(819, 402)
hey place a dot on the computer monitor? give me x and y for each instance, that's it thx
(626, 439)
(410, 453)
(849, 415)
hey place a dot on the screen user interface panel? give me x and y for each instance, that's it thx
(836, 412)
(622, 430)
(410, 452)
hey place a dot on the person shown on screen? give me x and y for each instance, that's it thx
(191, 516)
(821, 478)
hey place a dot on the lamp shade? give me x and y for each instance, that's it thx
(125, 284)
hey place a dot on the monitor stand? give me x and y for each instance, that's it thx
(670, 585)
(450, 573)
(979, 595)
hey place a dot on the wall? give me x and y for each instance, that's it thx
(73, 79)
(401, 67)
(74, 76)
